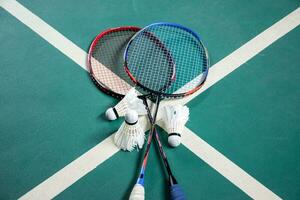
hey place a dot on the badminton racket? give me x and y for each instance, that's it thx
(150, 59)
(105, 63)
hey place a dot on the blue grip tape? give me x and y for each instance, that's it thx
(176, 193)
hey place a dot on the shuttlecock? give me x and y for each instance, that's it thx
(137, 193)
(130, 101)
(130, 134)
(175, 117)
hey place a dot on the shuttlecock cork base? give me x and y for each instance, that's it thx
(130, 135)
(129, 102)
(174, 139)
(111, 114)
(175, 117)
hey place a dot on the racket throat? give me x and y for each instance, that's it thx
(158, 98)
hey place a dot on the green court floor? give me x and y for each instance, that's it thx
(51, 113)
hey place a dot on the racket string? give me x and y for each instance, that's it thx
(105, 55)
(153, 60)
(154, 51)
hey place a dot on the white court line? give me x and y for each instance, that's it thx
(71, 173)
(91, 159)
(226, 167)
(240, 56)
(221, 69)
(47, 32)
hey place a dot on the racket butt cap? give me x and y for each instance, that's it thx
(176, 193)
(137, 193)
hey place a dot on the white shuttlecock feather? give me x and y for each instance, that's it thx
(130, 135)
(137, 193)
(175, 117)
(130, 101)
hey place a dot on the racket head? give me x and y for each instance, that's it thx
(105, 61)
(152, 51)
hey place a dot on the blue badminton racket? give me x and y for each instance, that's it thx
(166, 60)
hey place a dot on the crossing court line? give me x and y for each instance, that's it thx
(78, 168)
(47, 32)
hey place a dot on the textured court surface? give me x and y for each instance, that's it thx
(51, 113)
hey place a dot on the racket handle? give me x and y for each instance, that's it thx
(176, 193)
(137, 193)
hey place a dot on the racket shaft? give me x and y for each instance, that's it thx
(163, 155)
(140, 180)
(153, 130)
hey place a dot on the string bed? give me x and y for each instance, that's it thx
(105, 60)
(167, 59)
